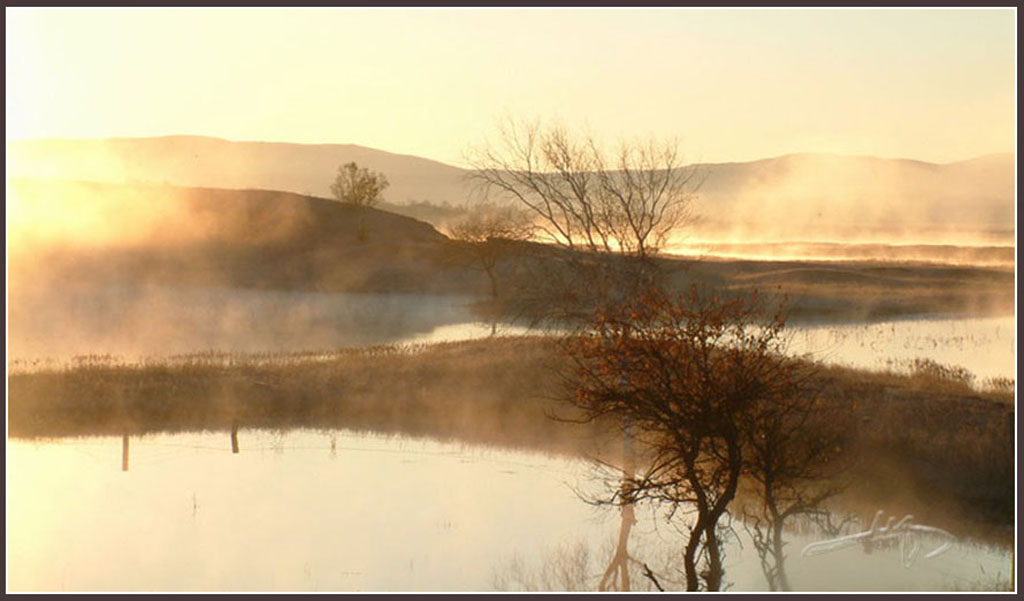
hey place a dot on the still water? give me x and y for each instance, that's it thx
(133, 322)
(345, 511)
(984, 346)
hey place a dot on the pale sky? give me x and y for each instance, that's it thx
(731, 85)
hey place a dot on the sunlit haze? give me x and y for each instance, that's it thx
(403, 300)
(732, 85)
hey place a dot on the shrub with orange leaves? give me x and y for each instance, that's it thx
(703, 382)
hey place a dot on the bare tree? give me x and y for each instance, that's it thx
(691, 374)
(585, 200)
(605, 217)
(483, 237)
(358, 186)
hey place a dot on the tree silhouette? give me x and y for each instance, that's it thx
(358, 186)
(604, 214)
(691, 375)
(483, 236)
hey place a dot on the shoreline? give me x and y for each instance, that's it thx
(921, 436)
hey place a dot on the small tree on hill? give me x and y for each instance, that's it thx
(358, 186)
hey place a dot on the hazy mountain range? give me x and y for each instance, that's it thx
(798, 196)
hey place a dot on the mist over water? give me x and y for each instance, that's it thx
(132, 322)
(143, 271)
(978, 253)
(135, 321)
(261, 338)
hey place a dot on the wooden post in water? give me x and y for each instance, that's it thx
(234, 437)
(124, 453)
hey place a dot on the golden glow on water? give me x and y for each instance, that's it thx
(1002, 256)
(308, 511)
(297, 511)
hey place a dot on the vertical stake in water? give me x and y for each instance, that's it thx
(234, 437)
(124, 453)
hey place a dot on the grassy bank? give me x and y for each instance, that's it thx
(492, 392)
(925, 436)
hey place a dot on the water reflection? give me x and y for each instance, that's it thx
(616, 575)
(336, 510)
(382, 514)
(984, 346)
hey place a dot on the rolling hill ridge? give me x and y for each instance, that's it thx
(797, 196)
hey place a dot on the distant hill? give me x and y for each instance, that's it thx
(211, 162)
(67, 238)
(799, 196)
(867, 198)
(246, 238)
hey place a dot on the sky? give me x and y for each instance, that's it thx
(731, 85)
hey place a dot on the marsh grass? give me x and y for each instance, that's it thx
(920, 433)
(927, 434)
(491, 392)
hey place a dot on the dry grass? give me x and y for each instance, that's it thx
(924, 434)
(492, 392)
(927, 438)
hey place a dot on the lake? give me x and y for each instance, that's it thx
(338, 510)
(985, 346)
(347, 511)
(135, 321)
